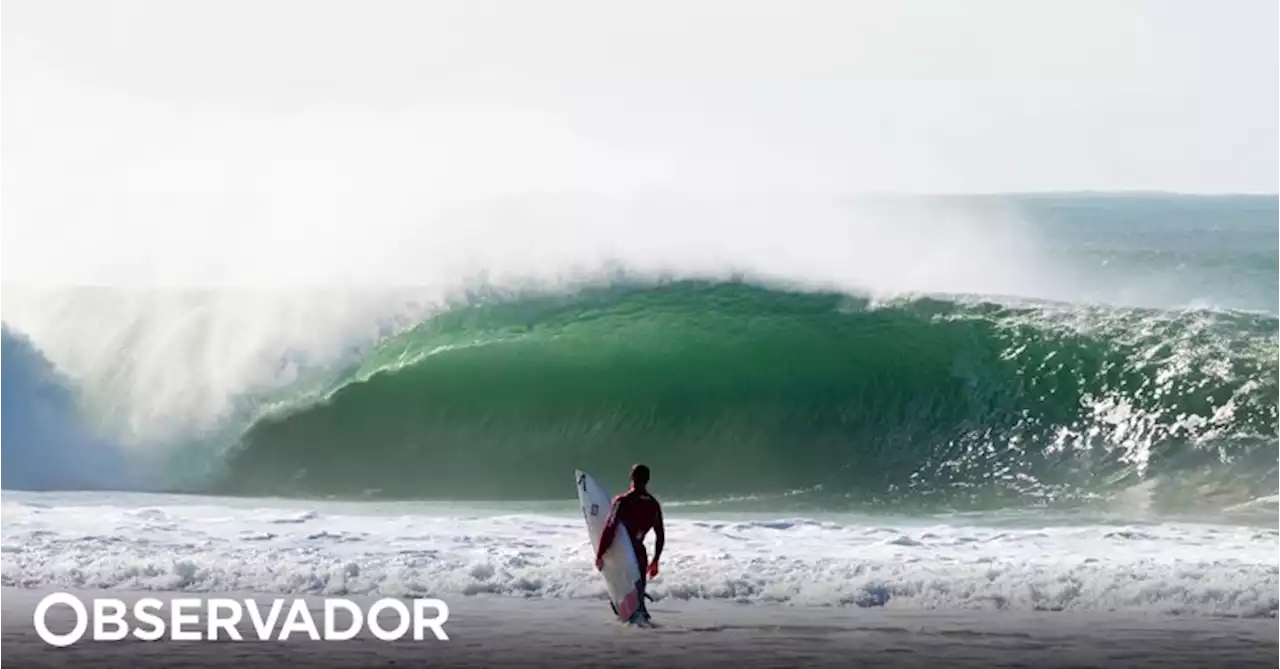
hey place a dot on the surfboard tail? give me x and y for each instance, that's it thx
(629, 607)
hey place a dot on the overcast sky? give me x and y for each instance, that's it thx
(257, 141)
(182, 110)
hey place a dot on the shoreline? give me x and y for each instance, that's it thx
(494, 631)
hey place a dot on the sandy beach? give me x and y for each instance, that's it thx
(494, 631)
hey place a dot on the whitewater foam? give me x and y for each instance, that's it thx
(154, 542)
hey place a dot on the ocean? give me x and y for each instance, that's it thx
(1086, 423)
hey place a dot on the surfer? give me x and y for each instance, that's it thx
(640, 512)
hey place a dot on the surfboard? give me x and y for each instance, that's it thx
(621, 569)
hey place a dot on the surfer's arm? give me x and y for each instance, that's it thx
(659, 538)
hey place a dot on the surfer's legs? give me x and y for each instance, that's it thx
(642, 556)
(643, 611)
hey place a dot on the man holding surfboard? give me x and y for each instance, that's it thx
(638, 512)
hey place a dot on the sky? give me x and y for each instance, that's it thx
(183, 122)
(916, 95)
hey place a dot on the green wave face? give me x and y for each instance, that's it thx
(733, 389)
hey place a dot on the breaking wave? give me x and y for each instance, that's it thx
(731, 388)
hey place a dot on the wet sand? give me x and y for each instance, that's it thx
(493, 631)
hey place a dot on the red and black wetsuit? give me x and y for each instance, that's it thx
(640, 512)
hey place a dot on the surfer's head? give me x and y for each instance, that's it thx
(639, 475)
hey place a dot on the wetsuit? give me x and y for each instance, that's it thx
(640, 512)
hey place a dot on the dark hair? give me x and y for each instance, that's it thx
(640, 474)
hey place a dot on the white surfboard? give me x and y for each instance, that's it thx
(621, 569)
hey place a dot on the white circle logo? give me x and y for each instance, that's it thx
(42, 628)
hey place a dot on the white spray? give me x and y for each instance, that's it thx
(223, 249)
